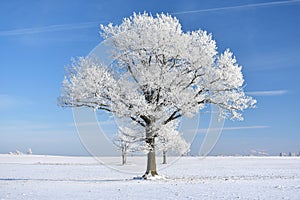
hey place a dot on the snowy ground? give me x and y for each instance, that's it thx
(53, 177)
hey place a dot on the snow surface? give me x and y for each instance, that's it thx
(58, 177)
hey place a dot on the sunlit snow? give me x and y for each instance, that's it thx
(57, 177)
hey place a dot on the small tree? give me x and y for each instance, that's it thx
(170, 140)
(29, 151)
(161, 74)
(127, 140)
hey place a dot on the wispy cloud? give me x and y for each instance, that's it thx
(245, 127)
(98, 123)
(254, 5)
(27, 126)
(50, 28)
(83, 124)
(9, 101)
(204, 130)
(23, 127)
(268, 93)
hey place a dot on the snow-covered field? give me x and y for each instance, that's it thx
(57, 177)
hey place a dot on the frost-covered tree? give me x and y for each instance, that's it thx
(29, 151)
(160, 74)
(128, 140)
(169, 139)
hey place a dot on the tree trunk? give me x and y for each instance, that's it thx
(123, 158)
(151, 160)
(164, 157)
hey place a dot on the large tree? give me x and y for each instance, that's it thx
(160, 74)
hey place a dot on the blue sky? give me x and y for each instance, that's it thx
(38, 38)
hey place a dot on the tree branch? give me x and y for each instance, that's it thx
(138, 121)
(146, 119)
(131, 72)
(173, 116)
(78, 105)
